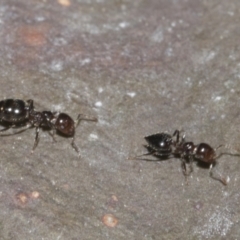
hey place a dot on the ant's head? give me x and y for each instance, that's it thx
(205, 153)
(161, 142)
(65, 124)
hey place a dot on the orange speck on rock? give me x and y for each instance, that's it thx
(66, 186)
(22, 197)
(64, 2)
(114, 198)
(33, 35)
(109, 220)
(34, 194)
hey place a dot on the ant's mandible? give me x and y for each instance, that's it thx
(16, 113)
(165, 146)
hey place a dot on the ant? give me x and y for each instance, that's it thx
(17, 113)
(166, 146)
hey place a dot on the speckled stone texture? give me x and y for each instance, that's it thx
(140, 67)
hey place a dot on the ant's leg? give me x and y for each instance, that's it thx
(78, 120)
(52, 134)
(36, 139)
(145, 154)
(17, 132)
(184, 169)
(218, 147)
(224, 181)
(85, 118)
(190, 166)
(5, 129)
(75, 146)
(177, 133)
(183, 138)
(30, 104)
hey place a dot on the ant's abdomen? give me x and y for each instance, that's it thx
(13, 111)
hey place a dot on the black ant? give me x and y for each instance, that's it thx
(165, 146)
(17, 113)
